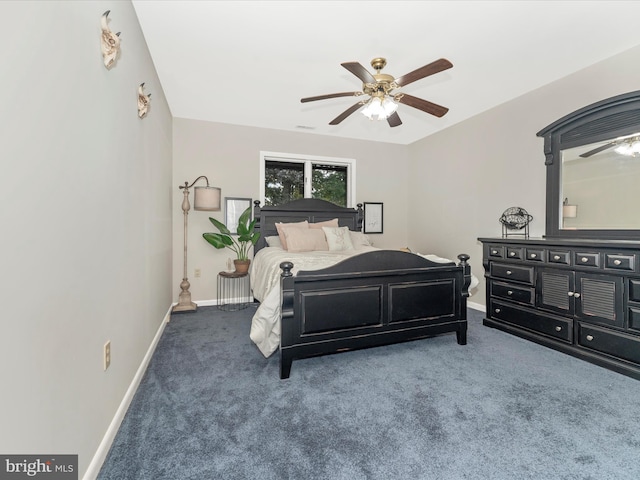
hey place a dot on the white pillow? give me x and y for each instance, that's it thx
(305, 240)
(273, 241)
(359, 239)
(338, 238)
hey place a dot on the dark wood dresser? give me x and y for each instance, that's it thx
(581, 297)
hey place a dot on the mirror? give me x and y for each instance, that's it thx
(599, 188)
(593, 171)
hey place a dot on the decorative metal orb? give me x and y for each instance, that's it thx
(515, 218)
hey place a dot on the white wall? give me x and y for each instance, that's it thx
(229, 156)
(463, 178)
(86, 200)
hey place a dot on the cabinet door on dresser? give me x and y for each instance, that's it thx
(555, 290)
(599, 299)
(588, 297)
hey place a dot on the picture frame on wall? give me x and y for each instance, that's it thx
(373, 218)
(233, 208)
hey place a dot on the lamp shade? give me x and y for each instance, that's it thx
(569, 211)
(206, 198)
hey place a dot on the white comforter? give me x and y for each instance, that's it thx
(265, 283)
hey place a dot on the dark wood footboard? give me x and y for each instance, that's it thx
(372, 299)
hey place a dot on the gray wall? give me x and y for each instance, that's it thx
(229, 156)
(86, 222)
(463, 178)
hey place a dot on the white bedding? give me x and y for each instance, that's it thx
(265, 283)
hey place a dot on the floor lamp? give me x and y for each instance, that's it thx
(204, 198)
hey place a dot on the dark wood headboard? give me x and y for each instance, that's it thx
(311, 209)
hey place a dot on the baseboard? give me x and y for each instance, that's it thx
(206, 303)
(103, 449)
(477, 306)
(213, 303)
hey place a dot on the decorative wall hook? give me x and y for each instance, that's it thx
(143, 101)
(110, 42)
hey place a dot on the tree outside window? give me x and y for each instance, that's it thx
(285, 181)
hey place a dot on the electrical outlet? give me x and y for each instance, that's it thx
(197, 273)
(107, 354)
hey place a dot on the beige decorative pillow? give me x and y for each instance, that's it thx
(328, 223)
(305, 240)
(338, 238)
(359, 240)
(281, 226)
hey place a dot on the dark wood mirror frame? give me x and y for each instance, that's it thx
(605, 120)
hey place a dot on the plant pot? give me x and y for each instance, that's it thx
(242, 266)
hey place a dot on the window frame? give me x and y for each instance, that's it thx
(308, 161)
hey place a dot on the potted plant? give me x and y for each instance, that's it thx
(246, 238)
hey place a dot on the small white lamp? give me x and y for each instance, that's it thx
(568, 211)
(205, 198)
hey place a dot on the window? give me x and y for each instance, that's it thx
(286, 177)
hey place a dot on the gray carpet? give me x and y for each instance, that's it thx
(212, 407)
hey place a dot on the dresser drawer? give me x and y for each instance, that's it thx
(511, 272)
(634, 289)
(612, 343)
(535, 254)
(588, 259)
(515, 253)
(556, 327)
(511, 292)
(634, 318)
(496, 251)
(620, 262)
(562, 257)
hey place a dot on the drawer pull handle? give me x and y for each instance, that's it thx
(590, 337)
(497, 310)
(617, 262)
(576, 295)
(533, 255)
(509, 292)
(584, 259)
(494, 252)
(571, 294)
(512, 254)
(558, 329)
(509, 272)
(556, 257)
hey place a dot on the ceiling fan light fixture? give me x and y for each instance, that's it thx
(623, 149)
(379, 108)
(629, 147)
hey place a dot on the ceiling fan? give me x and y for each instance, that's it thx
(625, 146)
(382, 102)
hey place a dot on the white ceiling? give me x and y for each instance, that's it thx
(250, 62)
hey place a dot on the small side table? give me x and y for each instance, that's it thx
(234, 291)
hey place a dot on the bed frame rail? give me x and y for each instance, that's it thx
(376, 298)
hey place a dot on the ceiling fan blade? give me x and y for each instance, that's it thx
(359, 71)
(394, 120)
(421, 104)
(598, 149)
(331, 95)
(432, 68)
(345, 114)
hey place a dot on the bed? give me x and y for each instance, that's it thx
(336, 301)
